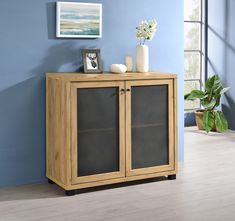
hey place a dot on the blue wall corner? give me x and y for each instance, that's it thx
(29, 48)
(221, 50)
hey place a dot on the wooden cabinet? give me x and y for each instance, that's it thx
(106, 128)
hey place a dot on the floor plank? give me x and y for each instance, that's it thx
(204, 190)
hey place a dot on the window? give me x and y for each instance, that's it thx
(193, 49)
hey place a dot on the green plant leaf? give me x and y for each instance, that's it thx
(187, 96)
(221, 122)
(217, 91)
(194, 94)
(216, 84)
(211, 96)
(209, 105)
(224, 90)
(197, 94)
(218, 100)
(211, 82)
(208, 121)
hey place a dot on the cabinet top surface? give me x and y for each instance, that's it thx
(109, 76)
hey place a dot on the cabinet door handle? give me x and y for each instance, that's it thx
(128, 89)
(122, 90)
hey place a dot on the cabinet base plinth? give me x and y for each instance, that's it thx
(70, 192)
(172, 177)
(50, 181)
(76, 187)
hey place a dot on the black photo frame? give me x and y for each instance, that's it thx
(92, 61)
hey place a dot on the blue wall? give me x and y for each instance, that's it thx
(221, 51)
(29, 49)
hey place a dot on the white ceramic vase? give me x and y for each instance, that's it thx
(142, 58)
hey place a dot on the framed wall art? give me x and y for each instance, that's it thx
(78, 20)
(92, 60)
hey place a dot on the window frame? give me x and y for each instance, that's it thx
(202, 48)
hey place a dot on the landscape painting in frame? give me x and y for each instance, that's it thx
(79, 20)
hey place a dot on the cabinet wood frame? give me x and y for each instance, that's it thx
(154, 169)
(104, 176)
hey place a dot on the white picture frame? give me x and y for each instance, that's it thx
(78, 20)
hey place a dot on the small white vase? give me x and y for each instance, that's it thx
(129, 63)
(142, 58)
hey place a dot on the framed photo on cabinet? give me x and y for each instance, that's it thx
(78, 20)
(92, 60)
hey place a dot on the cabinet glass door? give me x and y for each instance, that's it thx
(98, 137)
(149, 126)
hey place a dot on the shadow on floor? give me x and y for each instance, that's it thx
(120, 185)
(29, 192)
(45, 190)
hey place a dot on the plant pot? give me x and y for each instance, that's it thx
(199, 120)
(142, 58)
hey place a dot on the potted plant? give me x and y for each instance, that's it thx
(209, 118)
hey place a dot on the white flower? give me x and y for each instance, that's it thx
(146, 30)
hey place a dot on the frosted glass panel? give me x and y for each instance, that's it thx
(188, 87)
(149, 126)
(191, 65)
(192, 9)
(98, 130)
(191, 36)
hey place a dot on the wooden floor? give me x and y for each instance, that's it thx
(204, 191)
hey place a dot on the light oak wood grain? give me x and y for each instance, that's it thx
(79, 77)
(57, 140)
(176, 123)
